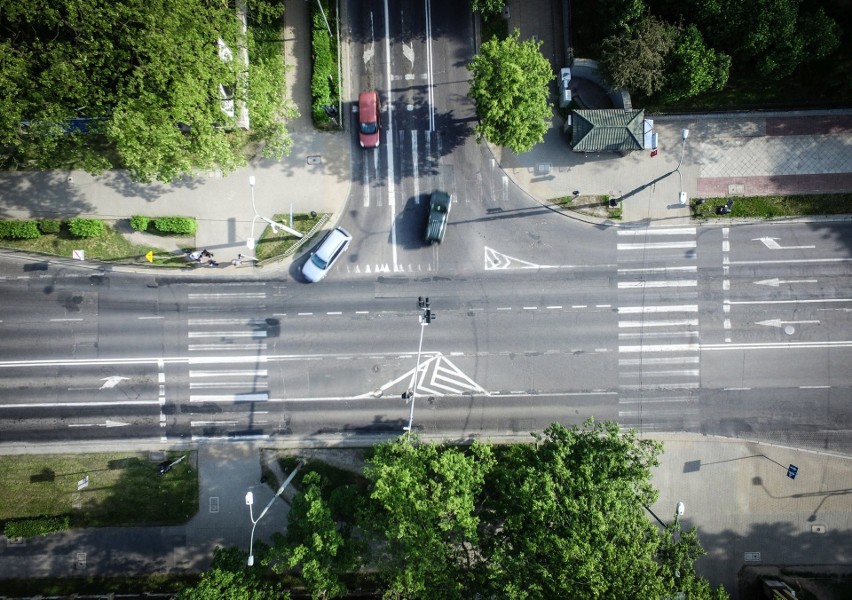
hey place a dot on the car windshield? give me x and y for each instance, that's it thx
(320, 263)
(369, 128)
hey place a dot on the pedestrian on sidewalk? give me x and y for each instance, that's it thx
(195, 256)
(212, 263)
(206, 253)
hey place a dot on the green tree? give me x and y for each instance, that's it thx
(636, 60)
(488, 7)
(510, 90)
(568, 520)
(136, 80)
(694, 68)
(230, 579)
(313, 543)
(423, 510)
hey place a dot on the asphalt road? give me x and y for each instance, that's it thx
(741, 330)
(681, 332)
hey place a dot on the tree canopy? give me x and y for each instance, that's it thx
(510, 90)
(131, 83)
(635, 59)
(563, 517)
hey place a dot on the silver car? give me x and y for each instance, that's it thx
(332, 246)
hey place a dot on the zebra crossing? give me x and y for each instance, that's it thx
(218, 380)
(658, 328)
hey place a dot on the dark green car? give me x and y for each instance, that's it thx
(440, 204)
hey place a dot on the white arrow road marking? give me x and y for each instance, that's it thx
(106, 423)
(775, 282)
(780, 323)
(773, 245)
(111, 382)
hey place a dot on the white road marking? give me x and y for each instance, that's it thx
(674, 323)
(391, 178)
(676, 373)
(674, 360)
(632, 310)
(657, 246)
(245, 373)
(814, 301)
(658, 231)
(788, 262)
(657, 284)
(661, 348)
(772, 244)
(775, 282)
(251, 397)
(690, 269)
(226, 334)
(635, 335)
(416, 171)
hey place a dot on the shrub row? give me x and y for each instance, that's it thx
(324, 77)
(27, 528)
(30, 230)
(182, 225)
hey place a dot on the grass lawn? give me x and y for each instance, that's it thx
(777, 206)
(111, 246)
(594, 206)
(272, 244)
(124, 489)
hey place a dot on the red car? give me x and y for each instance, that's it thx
(369, 120)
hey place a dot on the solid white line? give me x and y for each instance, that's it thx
(657, 400)
(391, 178)
(216, 295)
(63, 320)
(691, 269)
(246, 373)
(661, 348)
(632, 310)
(778, 345)
(140, 318)
(674, 360)
(785, 262)
(635, 335)
(814, 387)
(657, 284)
(231, 397)
(226, 334)
(196, 322)
(677, 373)
(211, 347)
(661, 386)
(416, 168)
(656, 246)
(430, 82)
(677, 323)
(658, 231)
(365, 183)
(75, 404)
(815, 301)
(203, 423)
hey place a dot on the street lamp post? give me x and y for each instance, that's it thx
(684, 133)
(252, 241)
(250, 502)
(425, 317)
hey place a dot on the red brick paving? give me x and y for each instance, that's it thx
(777, 184)
(818, 125)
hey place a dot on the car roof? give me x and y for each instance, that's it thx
(335, 238)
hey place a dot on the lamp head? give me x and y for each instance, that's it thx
(684, 133)
(251, 178)
(249, 498)
(680, 509)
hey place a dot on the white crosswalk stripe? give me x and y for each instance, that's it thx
(659, 372)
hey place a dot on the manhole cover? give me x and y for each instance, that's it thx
(214, 504)
(315, 160)
(736, 189)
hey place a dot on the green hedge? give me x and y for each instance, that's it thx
(86, 228)
(182, 225)
(27, 528)
(140, 222)
(19, 230)
(324, 77)
(50, 225)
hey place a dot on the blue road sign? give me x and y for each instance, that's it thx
(792, 470)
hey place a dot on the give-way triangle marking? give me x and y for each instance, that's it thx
(437, 376)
